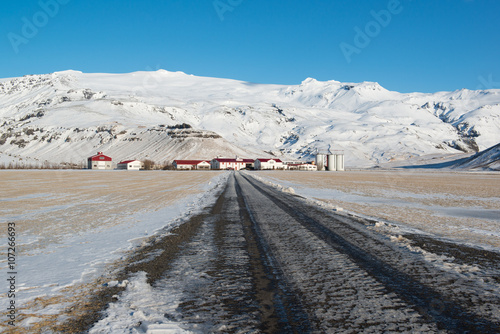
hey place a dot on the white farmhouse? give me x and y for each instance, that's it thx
(268, 164)
(129, 165)
(302, 166)
(236, 164)
(191, 164)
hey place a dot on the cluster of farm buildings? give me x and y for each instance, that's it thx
(322, 162)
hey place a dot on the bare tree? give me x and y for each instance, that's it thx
(149, 164)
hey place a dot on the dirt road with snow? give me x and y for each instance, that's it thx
(262, 260)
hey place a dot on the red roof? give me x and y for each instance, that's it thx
(100, 157)
(189, 162)
(241, 161)
(266, 160)
(126, 162)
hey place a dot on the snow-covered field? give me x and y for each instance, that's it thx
(71, 226)
(460, 206)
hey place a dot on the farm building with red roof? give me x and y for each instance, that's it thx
(269, 164)
(99, 161)
(191, 164)
(236, 164)
(129, 165)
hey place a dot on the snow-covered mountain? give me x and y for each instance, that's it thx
(68, 116)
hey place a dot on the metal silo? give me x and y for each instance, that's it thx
(340, 161)
(332, 162)
(320, 161)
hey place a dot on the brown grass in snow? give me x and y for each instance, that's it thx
(49, 204)
(52, 204)
(427, 196)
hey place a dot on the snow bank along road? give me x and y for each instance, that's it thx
(265, 260)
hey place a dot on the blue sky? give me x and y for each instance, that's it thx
(419, 45)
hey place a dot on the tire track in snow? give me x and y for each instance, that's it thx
(280, 307)
(337, 292)
(229, 281)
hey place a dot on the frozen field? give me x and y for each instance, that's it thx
(71, 224)
(461, 206)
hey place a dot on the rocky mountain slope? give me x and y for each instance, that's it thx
(68, 116)
(488, 159)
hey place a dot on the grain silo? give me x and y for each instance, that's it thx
(332, 162)
(320, 161)
(339, 158)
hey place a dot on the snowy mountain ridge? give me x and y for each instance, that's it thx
(161, 115)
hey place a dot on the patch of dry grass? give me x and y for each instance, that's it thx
(51, 204)
(47, 205)
(427, 194)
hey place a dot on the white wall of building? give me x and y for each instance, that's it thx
(133, 165)
(102, 165)
(270, 164)
(236, 165)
